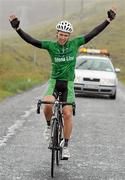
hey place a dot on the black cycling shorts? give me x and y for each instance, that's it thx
(66, 88)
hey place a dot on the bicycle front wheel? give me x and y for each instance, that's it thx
(54, 146)
(60, 138)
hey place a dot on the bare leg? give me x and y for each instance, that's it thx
(67, 114)
(48, 108)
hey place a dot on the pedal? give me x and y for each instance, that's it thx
(65, 158)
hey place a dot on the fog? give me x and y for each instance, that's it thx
(32, 12)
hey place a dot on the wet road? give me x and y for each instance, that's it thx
(97, 144)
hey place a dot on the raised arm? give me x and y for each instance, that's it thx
(26, 37)
(111, 15)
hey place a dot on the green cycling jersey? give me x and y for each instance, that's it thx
(63, 57)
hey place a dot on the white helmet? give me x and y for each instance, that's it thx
(64, 26)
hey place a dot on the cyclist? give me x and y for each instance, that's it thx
(63, 56)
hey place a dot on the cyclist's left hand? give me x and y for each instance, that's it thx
(14, 21)
(111, 13)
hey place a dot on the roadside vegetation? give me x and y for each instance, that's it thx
(23, 66)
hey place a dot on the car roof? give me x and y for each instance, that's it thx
(93, 56)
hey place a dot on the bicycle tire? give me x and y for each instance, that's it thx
(52, 162)
(59, 152)
(61, 134)
(60, 138)
(54, 146)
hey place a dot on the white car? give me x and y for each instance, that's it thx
(95, 74)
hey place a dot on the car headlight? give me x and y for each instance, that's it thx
(78, 79)
(110, 82)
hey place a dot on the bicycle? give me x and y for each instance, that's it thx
(56, 130)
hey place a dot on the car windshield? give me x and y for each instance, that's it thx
(94, 63)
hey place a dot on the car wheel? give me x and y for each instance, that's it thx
(113, 96)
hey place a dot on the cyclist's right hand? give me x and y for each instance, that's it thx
(111, 13)
(14, 21)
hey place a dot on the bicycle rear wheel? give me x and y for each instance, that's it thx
(54, 146)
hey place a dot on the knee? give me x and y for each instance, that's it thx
(67, 115)
(48, 107)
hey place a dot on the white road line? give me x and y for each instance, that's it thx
(27, 113)
(19, 123)
(16, 126)
(11, 131)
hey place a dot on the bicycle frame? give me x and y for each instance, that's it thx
(56, 129)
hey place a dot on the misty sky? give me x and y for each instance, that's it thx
(34, 11)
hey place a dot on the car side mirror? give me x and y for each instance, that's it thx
(117, 70)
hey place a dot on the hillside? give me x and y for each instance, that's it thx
(23, 66)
